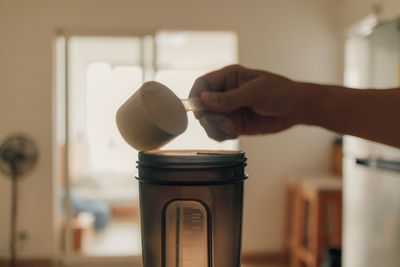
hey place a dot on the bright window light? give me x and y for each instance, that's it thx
(184, 56)
(107, 88)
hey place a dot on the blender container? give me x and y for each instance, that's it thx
(191, 207)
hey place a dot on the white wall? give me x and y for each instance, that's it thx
(294, 38)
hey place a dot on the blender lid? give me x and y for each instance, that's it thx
(184, 158)
(191, 166)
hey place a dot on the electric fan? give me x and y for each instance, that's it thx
(18, 155)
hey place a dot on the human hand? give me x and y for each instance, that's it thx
(242, 101)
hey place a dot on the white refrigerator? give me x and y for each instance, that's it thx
(371, 171)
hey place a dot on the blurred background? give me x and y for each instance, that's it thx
(66, 66)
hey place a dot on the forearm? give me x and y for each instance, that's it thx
(370, 114)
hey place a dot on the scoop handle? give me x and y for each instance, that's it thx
(193, 104)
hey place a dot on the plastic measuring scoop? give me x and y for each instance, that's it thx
(193, 104)
(153, 116)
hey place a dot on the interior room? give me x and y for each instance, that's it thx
(309, 196)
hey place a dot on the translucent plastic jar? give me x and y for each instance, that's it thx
(191, 207)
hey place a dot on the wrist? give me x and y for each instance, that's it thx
(315, 100)
(328, 106)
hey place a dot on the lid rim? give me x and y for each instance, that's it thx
(191, 156)
(191, 167)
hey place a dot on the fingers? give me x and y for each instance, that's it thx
(228, 101)
(218, 126)
(221, 127)
(223, 80)
(214, 81)
(220, 80)
(244, 101)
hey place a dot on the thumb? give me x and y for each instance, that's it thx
(228, 101)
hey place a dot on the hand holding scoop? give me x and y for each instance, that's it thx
(153, 116)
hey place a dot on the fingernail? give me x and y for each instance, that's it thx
(227, 127)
